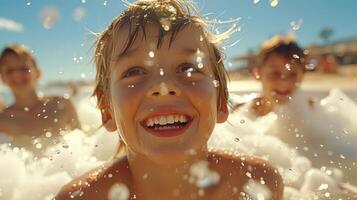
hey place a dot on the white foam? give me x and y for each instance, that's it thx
(23, 176)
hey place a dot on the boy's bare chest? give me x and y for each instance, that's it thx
(35, 122)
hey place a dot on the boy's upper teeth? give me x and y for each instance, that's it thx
(166, 119)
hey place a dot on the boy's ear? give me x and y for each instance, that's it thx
(256, 73)
(38, 72)
(222, 114)
(107, 117)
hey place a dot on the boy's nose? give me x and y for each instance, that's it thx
(164, 88)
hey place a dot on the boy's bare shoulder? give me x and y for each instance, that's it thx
(238, 169)
(96, 183)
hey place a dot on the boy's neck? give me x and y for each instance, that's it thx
(28, 99)
(151, 179)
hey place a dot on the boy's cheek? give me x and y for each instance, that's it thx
(203, 95)
(126, 93)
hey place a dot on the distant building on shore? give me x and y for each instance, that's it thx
(327, 57)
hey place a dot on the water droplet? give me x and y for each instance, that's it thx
(199, 59)
(166, 24)
(110, 175)
(83, 75)
(151, 54)
(49, 17)
(296, 56)
(26, 109)
(288, 66)
(189, 74)
(28, 3)
(60, 72)
(236, 139)
(48, 134)
(66, 95)
(323, 187)
(78, 14)
(310, 66)
(202, 175)
(327, 194)
(105, 3)
(38, 145)
(274, 3)
(161, 72)
(131, 86)
(201, 38)
(256, 1)
(296, 25)
(83, 1)
(242, 121)
(215, 83)
(118, 191)
(66, 146)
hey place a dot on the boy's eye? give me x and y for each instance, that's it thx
(186, 68)
(134, 71)
(23, 69)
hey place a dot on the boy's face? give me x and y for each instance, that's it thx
(164, 100)
(280, 78)
(17, 73)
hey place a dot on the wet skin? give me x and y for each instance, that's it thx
(30, 116)
(280, 79)
(166, 82)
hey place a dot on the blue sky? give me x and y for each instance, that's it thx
(63, 51)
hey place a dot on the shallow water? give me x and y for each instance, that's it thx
(25, 176)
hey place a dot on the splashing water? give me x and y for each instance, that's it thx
(49, 17)
(296, 25)
(166, 24)
(202, 176)
(162, 72)
(118, 191)
(78, 14)
(151, 54)
(274, 3)
(256, 190)
(215, 83)
(25, 177)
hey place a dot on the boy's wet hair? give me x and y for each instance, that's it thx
(170, 17)
(284, 46)
(21, 51)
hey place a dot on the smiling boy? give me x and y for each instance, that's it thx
(161, 84)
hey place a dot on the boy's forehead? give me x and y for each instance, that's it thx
(276, 60)
(189, 37)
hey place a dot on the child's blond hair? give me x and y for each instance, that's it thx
(21, 51)
(284, 46)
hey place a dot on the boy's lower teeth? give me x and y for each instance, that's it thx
(166, 127)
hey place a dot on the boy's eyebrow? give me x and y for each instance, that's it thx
(189, 50)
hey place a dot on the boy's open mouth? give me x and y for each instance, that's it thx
(167, 125)
(284, 93)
